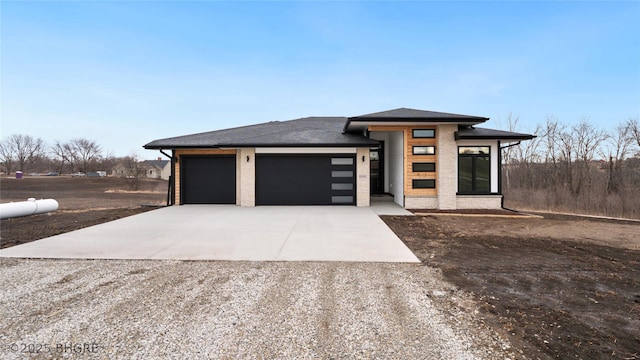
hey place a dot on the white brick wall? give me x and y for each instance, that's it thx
(479, 201)
(447, 163)
(362, 177)
(421, 202)
(247, 177)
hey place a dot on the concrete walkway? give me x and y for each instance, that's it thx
(227, 232)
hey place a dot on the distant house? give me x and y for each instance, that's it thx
(424, 159)
(157, 169)
(152, 169)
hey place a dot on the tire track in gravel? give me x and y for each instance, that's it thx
(284, 315)
(64, 283)
(218, 326)
(326, 316)
(229, 310)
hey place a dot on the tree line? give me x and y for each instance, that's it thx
(32, 155)
(575, 168)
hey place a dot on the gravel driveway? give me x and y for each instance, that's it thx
(228, 310)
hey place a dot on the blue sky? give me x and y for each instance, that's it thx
(124, 73)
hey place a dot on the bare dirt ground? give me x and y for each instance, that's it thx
(82, 202)
(558, 288)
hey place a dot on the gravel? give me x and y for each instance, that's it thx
(237, 310)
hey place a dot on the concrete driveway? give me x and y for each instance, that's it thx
(227, 232)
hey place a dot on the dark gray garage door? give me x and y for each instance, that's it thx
(208, 179)
(305, 179)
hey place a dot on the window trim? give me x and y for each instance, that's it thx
(474, 158)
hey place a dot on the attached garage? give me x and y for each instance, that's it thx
(305, 179)
(208, 179)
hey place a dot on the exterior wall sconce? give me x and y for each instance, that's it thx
(248, 158)
(362, 158)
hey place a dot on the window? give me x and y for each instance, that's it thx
(424, 133)
(474, 169)
(474, 150)
(336, 174)
(424, 183)
(341, 161)
(341, 186)
(342, 199)
(424, 167)
(424, 150)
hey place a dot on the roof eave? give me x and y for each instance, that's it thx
(227, 146)
(495, 137)
(400, 121)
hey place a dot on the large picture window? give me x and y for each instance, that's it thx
(474, 169)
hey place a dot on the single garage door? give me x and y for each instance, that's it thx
(305, 179)
(208, 179)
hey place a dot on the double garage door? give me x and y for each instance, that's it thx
(307, 179)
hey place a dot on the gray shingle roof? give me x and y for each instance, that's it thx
(327, 131)
(403, 115)
(489, 134)
(311, 131)
(157, 163)
(406, 113)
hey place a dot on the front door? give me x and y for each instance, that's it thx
(376, 166)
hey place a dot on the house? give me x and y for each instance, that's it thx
(157, 169)
(424, 159)
(152, 169)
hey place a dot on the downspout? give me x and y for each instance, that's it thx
(500, 175)
(500, 171)
(170, 184)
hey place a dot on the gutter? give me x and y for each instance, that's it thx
(510, 145)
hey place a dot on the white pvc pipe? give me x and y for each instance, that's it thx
(29, 207)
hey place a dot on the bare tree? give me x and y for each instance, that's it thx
(7, 156)
(553, 154)
(62, 155)
(634, 130)
(134, 171)
(616, 149)
(567, 155)
(528, 156)
(24, 149)
(507, 152)
(83, 152)
(587, 140)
